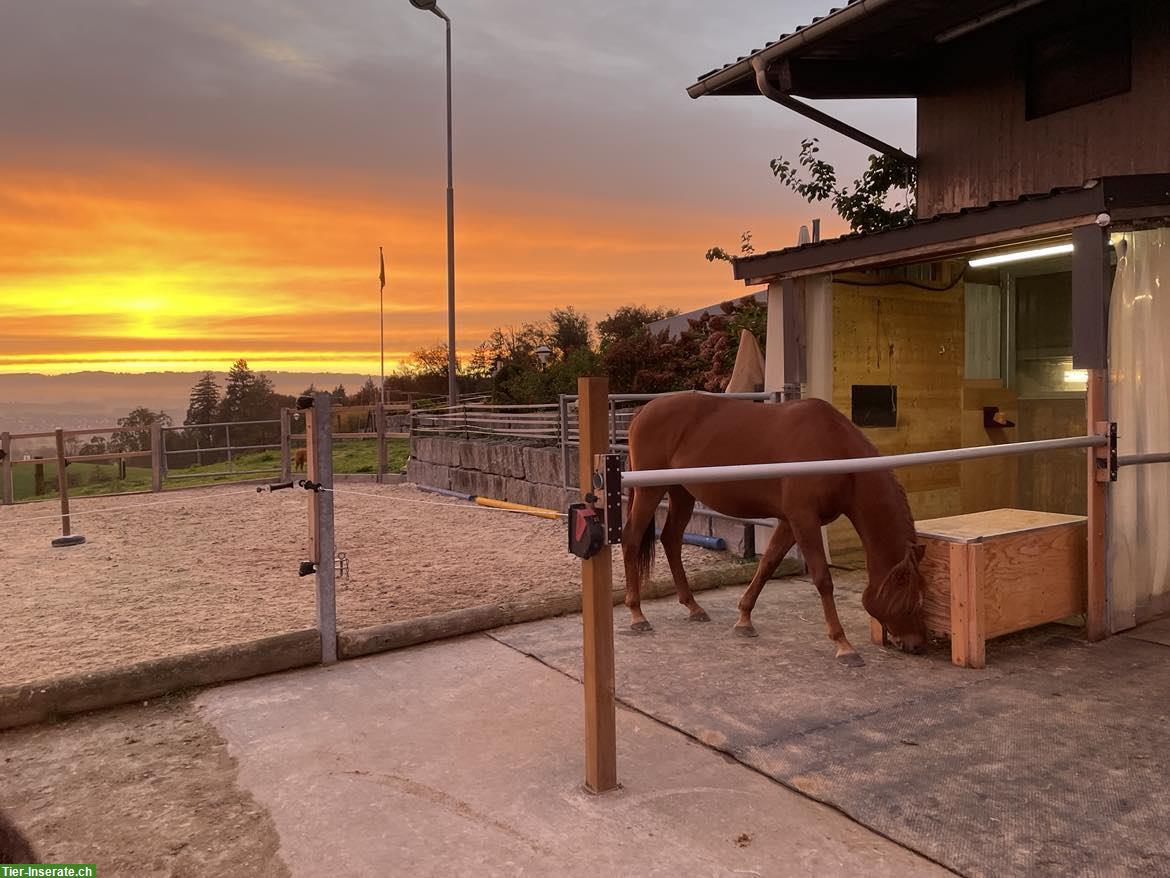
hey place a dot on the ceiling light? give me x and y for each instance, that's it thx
(1021, 255)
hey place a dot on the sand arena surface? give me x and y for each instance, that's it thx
(163, 574)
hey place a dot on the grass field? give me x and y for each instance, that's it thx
(88, 479)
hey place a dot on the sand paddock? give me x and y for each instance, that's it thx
(166, 574)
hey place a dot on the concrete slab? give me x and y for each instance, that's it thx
(1052, 761)
(465, 757)
(1157, 631)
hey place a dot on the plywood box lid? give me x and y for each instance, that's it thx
(978, 526)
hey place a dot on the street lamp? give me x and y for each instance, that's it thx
(544, 351)
(452, 390)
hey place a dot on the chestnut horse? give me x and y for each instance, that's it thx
(694, 429)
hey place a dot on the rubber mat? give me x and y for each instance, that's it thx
(1051, 761)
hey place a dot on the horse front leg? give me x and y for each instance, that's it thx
(778, 546)
(682, 504)
(638, 549)
(808, 537)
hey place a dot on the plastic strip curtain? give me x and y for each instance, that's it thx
(1139, 502)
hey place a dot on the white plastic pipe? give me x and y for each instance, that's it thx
(753, 472)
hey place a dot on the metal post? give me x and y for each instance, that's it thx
(156, 457)
(285, 447)
(227, 441)
(613, 428)
(1096, 620)
(563, 402)
(597, 607)
(380, 426)
(452, 389)
(319, 438)
(6, 468)
(62, 481)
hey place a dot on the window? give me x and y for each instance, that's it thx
(1080, 64)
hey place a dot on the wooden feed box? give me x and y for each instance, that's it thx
(991, 573)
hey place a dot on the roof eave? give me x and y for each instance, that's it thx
(804, 37)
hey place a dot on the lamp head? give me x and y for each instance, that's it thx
(424, 4)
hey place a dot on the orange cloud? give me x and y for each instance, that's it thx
(172, 268)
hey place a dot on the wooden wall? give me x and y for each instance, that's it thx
(975, 145)
(1055, 481)
(913, 338)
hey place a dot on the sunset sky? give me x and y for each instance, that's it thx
(186, 182)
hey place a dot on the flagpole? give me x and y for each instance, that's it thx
(382, 322)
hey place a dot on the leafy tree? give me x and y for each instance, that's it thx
(746, 248)
(569, 331)
(95, 445)
(249, 396)
(628, 321)
(338, 395)
(867, 205)
(367, 394)
(138, 440)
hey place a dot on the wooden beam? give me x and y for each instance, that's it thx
(63, 482)
(1096, 621)
(380, 427)
(597, 606)
(156, 457)
(285, 450)
(6, 468)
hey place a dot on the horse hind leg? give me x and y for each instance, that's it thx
(682, 504)
(808, 537)
(638, 549)
(778, 546)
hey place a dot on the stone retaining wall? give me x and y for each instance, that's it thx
(524, 473)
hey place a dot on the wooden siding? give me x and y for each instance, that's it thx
(913, 338)
(975, 145)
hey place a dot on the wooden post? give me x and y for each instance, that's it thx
(380, 426)
(319, 439)
(285, 457)
(597, 607)
(38, 477)
(1096, 622)
(62, 481)
(227, 441)
(6, 468)
(156, 474)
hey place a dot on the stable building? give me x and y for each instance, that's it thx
(1030, 296)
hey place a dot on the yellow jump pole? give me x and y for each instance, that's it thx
(519, 507)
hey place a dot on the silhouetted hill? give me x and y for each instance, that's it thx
(32, 403)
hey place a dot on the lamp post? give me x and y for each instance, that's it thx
(543, 353)
(452, 390)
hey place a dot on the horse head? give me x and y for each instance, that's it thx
(896, 602)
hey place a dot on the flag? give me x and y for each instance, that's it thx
(381, 270)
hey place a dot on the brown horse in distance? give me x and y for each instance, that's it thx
(694, 429)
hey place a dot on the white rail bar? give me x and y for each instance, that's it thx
(752, 472)
(1151, 457)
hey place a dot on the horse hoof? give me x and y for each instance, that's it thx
(851, 660)
(746, 631)
(642, 626)
(700, 616)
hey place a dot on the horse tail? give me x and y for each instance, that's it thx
(645, 556)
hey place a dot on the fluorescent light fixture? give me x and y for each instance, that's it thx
(1021, 255)
(1076, 376)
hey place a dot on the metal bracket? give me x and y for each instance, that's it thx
(311, 486)
(1105, 456)
(307, 568)
(341, 565)
(280, 486)
(607, 482)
